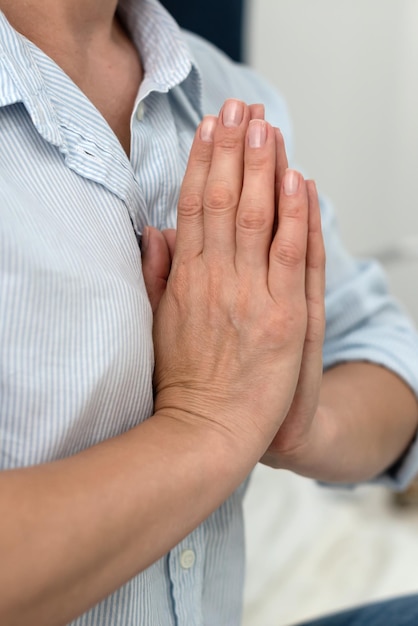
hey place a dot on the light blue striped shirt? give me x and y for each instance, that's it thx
(75, 322)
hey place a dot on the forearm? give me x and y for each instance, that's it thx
(367, 417)
(78, 529)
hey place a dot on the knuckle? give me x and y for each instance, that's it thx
(294, 211)
(318, 262)
(316, 304)
(288, 254)
(190, 203)
(252, 220)
(219, 196)
(256, 161)
(229, 142)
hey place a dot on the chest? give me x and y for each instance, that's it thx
(75, 322)
(76, 207)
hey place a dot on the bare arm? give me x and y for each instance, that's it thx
(367, 417)
(74, 530)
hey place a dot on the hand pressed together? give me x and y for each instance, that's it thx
(234, 328)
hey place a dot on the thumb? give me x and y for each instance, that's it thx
(156, 263)
(170, 235)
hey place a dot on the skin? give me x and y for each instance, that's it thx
(64, 544)
(330, 433)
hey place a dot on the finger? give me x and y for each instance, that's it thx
(256, 210)
(156, 262)
(257, 111)
(224, 184)
(287, 259)
(170, 235)
(315, 272)
(190, 205)
(281, 161)
(281, 167)
(295, 428)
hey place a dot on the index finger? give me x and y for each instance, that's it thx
(189, 239)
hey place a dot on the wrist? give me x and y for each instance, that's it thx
(306, 456)
(215, 422)
(217, 449)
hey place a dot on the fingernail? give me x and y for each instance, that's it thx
(207, 128)
(291, 182)
(257, 133)
(145, 240)
(233, 113)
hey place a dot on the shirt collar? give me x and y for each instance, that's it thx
(166, 57)
(21, 81)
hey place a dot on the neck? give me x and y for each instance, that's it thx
(86, 39)
(62, 25)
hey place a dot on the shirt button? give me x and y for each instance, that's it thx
(187, 559)
(140, 111)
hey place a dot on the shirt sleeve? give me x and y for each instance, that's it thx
(364, 322)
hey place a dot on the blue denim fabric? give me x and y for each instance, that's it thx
(401, 611)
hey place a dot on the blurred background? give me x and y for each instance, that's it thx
(347, 69)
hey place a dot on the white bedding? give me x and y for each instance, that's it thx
(311, 549)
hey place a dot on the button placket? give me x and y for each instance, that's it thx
(185, 564)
